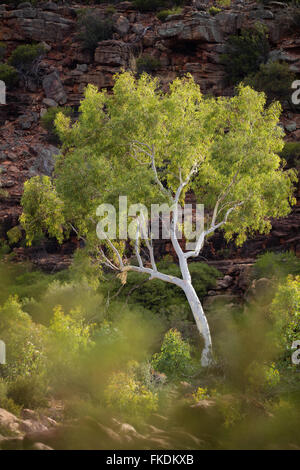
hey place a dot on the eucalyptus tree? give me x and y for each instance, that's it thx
(153, 147)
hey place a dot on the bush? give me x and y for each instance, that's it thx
(14, 235)
(7, 403)
(93, 30)
(163, 14)
(276, 265)
(8, 75)
(129, 396)
(286, 314)
(273, 78)
(174, 360)
(245, 53)
(2, 50)
(28, 391)
(69, 338)
(24, 341)
(147, 63)
(41, 204)
(291, 153)
(48, 120)
(224, 3)
(25, 58)
(214, 10)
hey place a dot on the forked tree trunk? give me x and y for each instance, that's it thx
(201, 322)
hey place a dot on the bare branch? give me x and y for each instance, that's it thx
(222, 197)
(148, 244)
(137, 248)
(204, 234)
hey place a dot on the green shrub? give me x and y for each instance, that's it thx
(28, 391)
(9, 405)
(224, 3)
(273, 78)
(291, 153)
(129, 396)
(286, 314)
(48, 119)
(8, 75)
(245, 53)
(276, 265)
(24, 341)
(14, 235)
(2, 50)
(25, 58)
(174, 359)
(147, 63)
(214, 10)
(163, 14)
(93, 30)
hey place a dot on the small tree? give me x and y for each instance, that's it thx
(153, 147)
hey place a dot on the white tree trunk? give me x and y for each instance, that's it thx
(201, 322)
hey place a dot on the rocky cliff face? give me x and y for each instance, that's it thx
(192, 41)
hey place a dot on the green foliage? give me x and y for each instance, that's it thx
(147, 63)
(174, 360)
(7, 403)
(262, 376)
(286, 313)
(28, 391)
(276, 265)
(274, 79)
(127, 395)
(200, 394)
(48, 119)
(8, 75)
(162, 15)
(24, 57)
(21, 280)
(214, 10)
(14, 235)
(2, 50)
(245, 53)
(93, 30)
(291, 153)
(224, 3)
(42, 209)
(23, 339)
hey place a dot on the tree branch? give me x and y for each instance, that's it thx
(201, 239)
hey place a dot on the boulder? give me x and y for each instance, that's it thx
(40, 446)
(122, 26)
(44, 162)
(261, 15)
(49, 102)
(291, 126)
(112, 52)
(201, 27)
(227, 22)
(9, 421)
(54, 89)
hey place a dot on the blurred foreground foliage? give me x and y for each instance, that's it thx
(80, 339)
